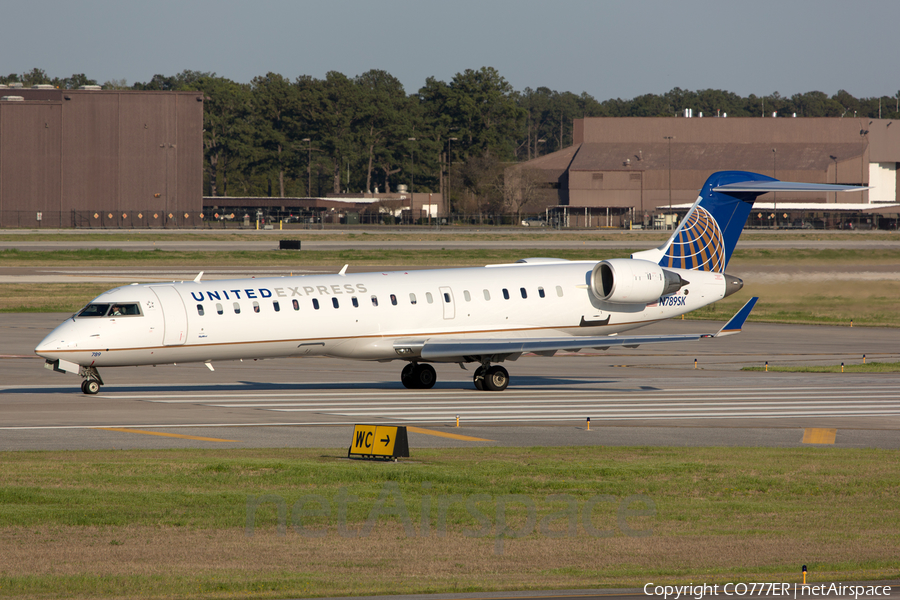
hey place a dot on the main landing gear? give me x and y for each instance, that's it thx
(491, 379)
(418, 377)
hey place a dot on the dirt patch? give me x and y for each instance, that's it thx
(387, 555)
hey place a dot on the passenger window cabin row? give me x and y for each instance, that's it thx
(429, 298)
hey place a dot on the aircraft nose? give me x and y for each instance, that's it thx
(48, 345)
(732, 285)
(60, 338)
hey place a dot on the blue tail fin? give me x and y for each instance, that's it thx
(709, 232)
(706, 237)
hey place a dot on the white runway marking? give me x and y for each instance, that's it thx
(541, 404)
(509, 395)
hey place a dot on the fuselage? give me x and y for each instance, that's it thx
(357, 316)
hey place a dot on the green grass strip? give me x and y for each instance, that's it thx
(164, 523)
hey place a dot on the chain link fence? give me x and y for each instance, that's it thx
(102, 219)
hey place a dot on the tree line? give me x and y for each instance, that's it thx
(276, 136)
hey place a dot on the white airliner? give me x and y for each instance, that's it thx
(484, 315)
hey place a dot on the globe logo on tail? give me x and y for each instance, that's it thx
(697, 245)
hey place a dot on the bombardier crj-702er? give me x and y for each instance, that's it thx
(484, 315)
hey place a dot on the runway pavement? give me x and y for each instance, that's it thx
(633, 397)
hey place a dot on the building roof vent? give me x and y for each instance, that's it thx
(43, 86)
(93, 88)
(16, 84)
(12, 99)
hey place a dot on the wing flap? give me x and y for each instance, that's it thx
(459, 349)
(443, 349)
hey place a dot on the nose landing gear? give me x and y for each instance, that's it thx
(92, 381)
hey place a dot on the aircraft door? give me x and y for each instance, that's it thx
(174, 315)
(447, 301)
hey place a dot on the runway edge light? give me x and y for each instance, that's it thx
(380, 442)
(804, 574)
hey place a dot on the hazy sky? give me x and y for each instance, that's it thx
(605, 48)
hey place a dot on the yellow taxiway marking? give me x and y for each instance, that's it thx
(813, 435)
(452, 436)
(174, 435)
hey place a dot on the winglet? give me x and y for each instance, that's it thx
(737, 321)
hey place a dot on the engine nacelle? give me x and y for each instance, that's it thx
(630, 281)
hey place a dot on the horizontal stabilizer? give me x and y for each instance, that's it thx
(759, 187)
(737, 321)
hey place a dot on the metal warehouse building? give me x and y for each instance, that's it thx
(100, 158)
(633, 166)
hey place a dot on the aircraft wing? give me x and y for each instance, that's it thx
(449, 349)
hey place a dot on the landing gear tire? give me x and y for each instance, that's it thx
(406, 376)
(418, 377)
(496, 379)
(425, 377)
(90, 386)
(478, 378)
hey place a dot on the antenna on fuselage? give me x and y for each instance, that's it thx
(344, 270)
(197, 278)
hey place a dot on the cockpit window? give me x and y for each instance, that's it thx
(124, 310)
(117, 309)
(94, 310)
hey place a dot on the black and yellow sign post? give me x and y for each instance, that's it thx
(379, 441)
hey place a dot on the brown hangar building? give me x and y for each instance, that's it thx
(619, 167)
(100, 158)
